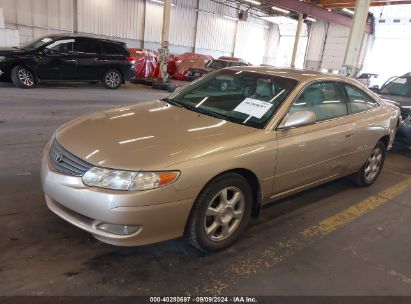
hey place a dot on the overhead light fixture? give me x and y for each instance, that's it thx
(311, 19)
(351, 12)
(231, 18)
(253, 2)
(161, 2)
(279, 9)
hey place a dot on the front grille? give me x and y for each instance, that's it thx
(65, 162)
(405, 114)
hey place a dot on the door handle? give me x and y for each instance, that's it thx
(70, 60)
(350, 134)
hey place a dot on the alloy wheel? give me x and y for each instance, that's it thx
(224, 213)
(372, 167)
(112, 79)
(26, 77)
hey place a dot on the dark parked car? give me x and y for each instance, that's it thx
(67, 58)
(398, 91)
(213, 65)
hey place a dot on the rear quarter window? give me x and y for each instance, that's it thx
(113, 49)
(359, 101)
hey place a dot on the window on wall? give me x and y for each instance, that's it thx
(358, 100)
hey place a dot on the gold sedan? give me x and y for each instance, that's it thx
(202, 161)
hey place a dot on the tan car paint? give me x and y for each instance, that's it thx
(156, 136)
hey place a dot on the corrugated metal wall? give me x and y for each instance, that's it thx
(216, 32)
(335, 45)
(182, 25)
(273, 40)
(327, 45)
(203, 26)
(316, 42)
(251, 40)
(121, 18)
(34, 18)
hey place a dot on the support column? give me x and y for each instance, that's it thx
(75, 16)
(353, 50)
(297, 39)
(164, 40)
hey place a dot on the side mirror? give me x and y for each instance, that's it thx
(298, 119)
(45, 52)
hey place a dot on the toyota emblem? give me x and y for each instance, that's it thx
(58, 157)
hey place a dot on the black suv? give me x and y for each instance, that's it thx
(67, 58)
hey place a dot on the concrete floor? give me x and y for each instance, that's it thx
(333, 240)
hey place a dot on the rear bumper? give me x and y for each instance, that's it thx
(129, 73)
(159, 214)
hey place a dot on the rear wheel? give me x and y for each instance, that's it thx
(369, 173)
(23, 78)
(220, 213)
(112, 79)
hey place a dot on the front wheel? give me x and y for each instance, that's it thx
(369, 173)
(220, 213)
(112, 79)
(23, 78)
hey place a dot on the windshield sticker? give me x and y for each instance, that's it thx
(46, 40)
(253, 107)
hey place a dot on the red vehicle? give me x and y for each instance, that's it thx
(216, 64)
(146, 62)
(187, 61)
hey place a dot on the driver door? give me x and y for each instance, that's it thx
(58, 61)
(312, 154)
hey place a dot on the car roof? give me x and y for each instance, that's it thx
(62, 36)
(297, 74)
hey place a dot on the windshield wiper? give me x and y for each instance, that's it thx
(208, 113)
(172, 102)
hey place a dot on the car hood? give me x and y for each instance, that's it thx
(10, 51)
(147, 136)
(201, 70)
(397, 100)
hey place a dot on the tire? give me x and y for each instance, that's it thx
(112, 79)
(369, 173)
(23, 78)
(217, 210)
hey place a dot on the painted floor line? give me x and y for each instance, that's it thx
(273, 255)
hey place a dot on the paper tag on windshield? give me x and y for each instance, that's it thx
(253, 107)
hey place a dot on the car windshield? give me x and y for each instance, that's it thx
(400, 86)
(243, 97)
(217, 64)
(34, 45)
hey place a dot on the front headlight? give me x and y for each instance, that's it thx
(128, 181)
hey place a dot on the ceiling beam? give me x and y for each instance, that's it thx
(374, 3)
(316, 12)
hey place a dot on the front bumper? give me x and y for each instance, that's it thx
(160, 214)
(404, 129)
